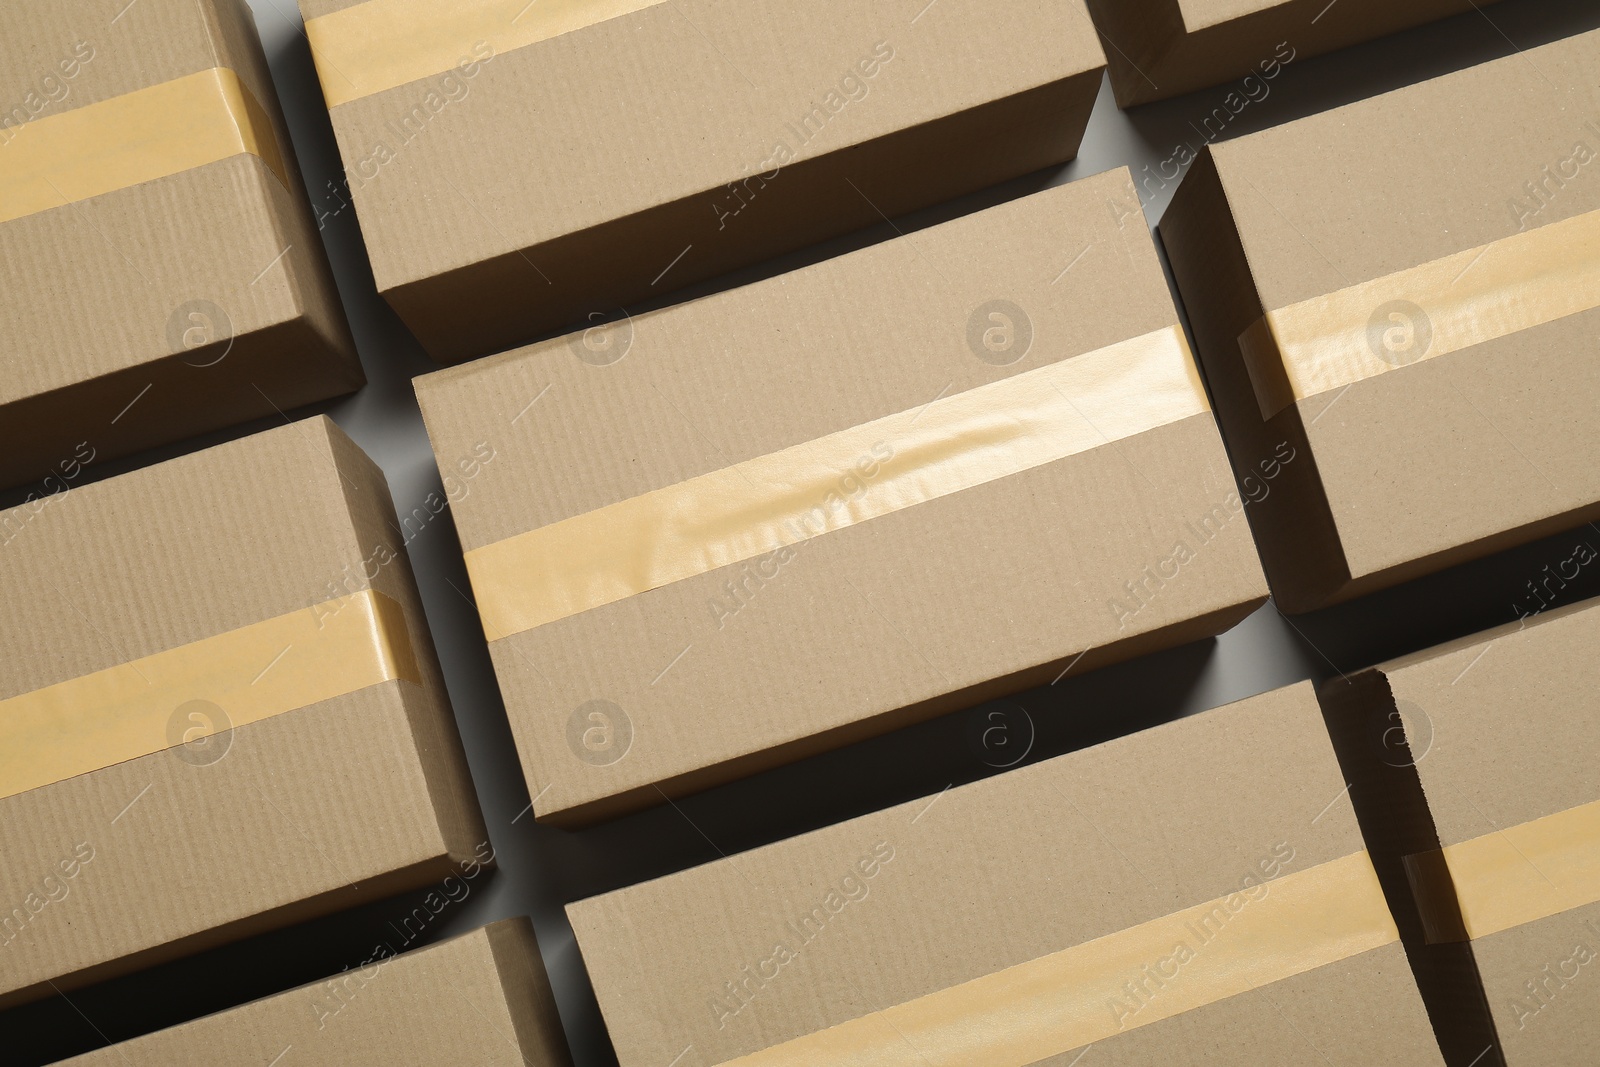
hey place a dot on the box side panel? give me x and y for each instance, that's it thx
(442, 1004)
(1291, 521)
(529, 1001)
(507, 300)
(1380, 745)
(387, 568)
(1221, 41)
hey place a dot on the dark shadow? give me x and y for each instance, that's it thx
(1308, 86)
(212, 981)
(1466, 599)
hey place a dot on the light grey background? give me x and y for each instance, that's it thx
(541, 868)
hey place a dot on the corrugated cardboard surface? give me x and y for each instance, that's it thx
(342, 801)
(1499, 730)
(1163, 48)
(931, 608)
(1451, 458)
(569, 175)
(481, 998)
(99, 292)
(1007, 870)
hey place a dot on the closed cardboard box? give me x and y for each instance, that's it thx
(739, 530)
(1195, 894)
(481, 998)
(518, 167)
(1421, 330)
(1164, 48)
(219, 710)
(1474, 772)
(164, 276)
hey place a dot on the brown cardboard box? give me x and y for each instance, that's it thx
(1163, 48)
(160, 280)
(1440, 320)
(1485, 748)
(930, 933)
(721, 536)
(481, 998)
(161, 796)
(516, 167)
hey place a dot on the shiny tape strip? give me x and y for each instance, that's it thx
(1095, 991)
(380, 44)
(1513, 876)
(1484, 293)
(848, 477)
(243, 676)
(138, 137)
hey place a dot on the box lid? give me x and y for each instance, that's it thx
(108, 283)
(1469, 430)
(864, 621)
(991, 875)
(567, 123)
(296, 808)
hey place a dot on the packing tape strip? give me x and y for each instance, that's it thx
(252, 673)
(1482, 294)
(1090, 993)
(138, 137)
(377, 45)
(1508, 878)
(762, 504)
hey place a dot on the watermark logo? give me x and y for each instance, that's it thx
(606, 340)
(599, 733)
(199, 733)
(1000, 733)
(1404, 735)
(1399, 333)
(201, 329)
(999, 333)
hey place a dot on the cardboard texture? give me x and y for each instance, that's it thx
(481, 998)
(176, 305)
(993, 874)
(1470, 740)
(1103, 555)
(515, 189)
(348, 799)
(1475, 437)
(1157, 49)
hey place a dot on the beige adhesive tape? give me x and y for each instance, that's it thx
(1484, 293)
(1513, 876)
(1081, 996)
(370, 47)
(848, 477)
(249, 674)
(139, 137)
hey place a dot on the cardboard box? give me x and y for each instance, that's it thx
(1164, 48)
(1474, 776)
(164, 276)
(1421, 331)
(740, 530)
(1194, 894)
(520, 171)
(481, 998)
(219, 711)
